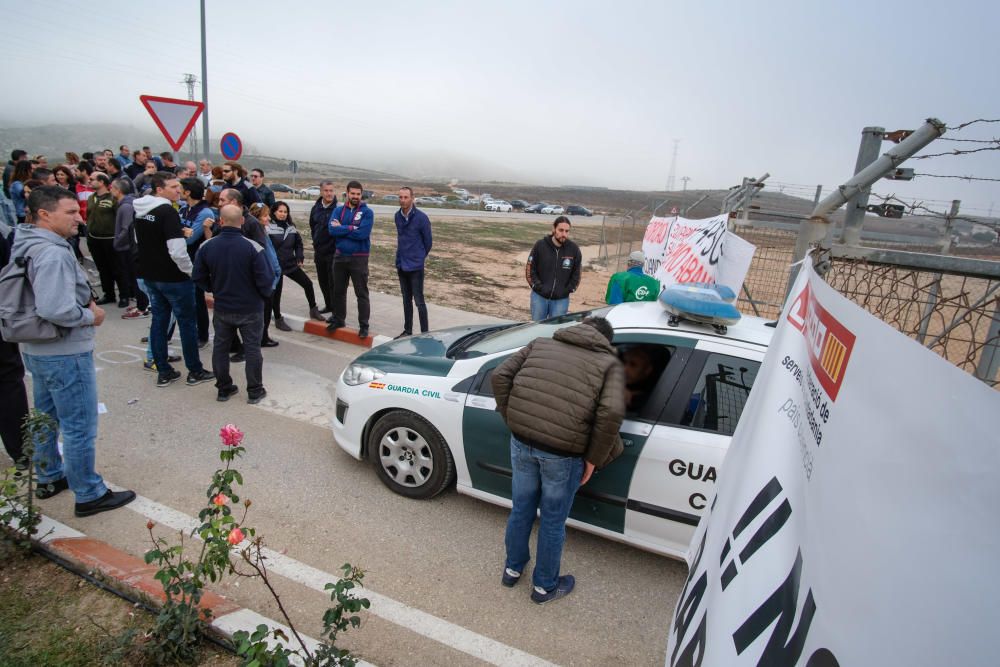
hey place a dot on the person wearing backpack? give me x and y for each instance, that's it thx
(64, 380)
(13, 396)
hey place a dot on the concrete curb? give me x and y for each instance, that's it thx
(344, 334)
(134, 580)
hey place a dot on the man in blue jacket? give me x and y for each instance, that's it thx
(413, 244)
(235, 270)
(351, 227)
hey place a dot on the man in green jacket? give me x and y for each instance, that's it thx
(101, 208)
(632, 284)
(564, 400)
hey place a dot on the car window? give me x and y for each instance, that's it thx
(645, 363)
(517, 337)
(720, 392)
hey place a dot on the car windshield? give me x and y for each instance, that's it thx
(516, 337)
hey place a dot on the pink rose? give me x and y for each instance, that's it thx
(231, 436)
(235, 536)
(220, 500)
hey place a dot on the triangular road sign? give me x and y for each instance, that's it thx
(174, 117)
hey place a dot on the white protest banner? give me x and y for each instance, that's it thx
(855, 516)
(679, 250)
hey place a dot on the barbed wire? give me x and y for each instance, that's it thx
(957, 152)
(971, 141)
(973, 122)
(961, 178)
(915, 206)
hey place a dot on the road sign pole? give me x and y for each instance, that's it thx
(204, 83)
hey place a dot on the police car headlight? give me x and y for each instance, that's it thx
(360, 374)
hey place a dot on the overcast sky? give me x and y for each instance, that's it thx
(547, 92)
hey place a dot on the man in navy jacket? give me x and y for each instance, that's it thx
(235, 270)
(413, 244)
(351, 227)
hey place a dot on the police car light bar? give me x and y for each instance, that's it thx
(700, 302)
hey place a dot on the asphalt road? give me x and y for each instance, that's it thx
(433, 567)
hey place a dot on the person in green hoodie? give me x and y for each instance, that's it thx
(101, 239)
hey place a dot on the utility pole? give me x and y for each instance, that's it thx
(190, 80)
(673, 167)
(685, 179)
(814, 229)
(944, 247)
(204, 83)
(854, 217)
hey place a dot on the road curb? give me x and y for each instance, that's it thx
(130, 577)
(343, 334)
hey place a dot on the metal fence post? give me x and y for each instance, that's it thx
(932, 295)
(989, 360)
(854, 215)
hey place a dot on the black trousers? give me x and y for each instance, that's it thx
(411, 284)
(102, 251)
(13, 399)
(355, 271)
(201, 313)
(127, 268)
(226, 327)
(299, 276)
(324, 274)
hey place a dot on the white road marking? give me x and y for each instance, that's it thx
(425, 624)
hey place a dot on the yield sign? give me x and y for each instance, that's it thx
(174, 117)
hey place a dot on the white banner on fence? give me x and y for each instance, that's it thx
(855, 517)
(679, 250)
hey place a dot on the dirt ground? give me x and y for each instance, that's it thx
(49, 616)
(479, 264)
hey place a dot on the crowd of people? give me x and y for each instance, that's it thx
(168, 241)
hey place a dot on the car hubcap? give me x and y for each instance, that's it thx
(406, 457)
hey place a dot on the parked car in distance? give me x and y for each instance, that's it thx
(500, 206)
(553, 209)
(311, 191)
(518, 204)
(535, 208)
(367, 194)
(391, 198)
(433, 201)
(578, 210)
(281, 187)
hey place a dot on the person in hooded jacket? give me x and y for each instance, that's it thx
(324, 245)
(197, 216)
(165, 267)
(124, 245)
(287, 242)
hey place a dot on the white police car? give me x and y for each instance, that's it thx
(421, 409)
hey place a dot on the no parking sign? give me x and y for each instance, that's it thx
(231, 146)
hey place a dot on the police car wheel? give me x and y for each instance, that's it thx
(410, 456)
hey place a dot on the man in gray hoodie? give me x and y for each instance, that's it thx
(64, 381)
(125, 248)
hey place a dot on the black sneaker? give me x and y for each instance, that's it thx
(405, 334)
(44, 491)
(197, 377)
(167, 378)
(202, 344)
(565, 586)
(237, 358)
(173, 358)
(257, 397)
(510, 577)
(123, 303)
(109, 501)
(281, 325)
(363, 333)
(334, 325)
(225, 394)
(269, 342)
(104, 301)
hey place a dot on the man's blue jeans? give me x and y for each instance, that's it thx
(176, 298)
(545, 482)
(65, 388)
(543, 309)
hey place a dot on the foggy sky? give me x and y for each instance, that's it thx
(546, 92)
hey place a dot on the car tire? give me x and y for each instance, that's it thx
(410, 456)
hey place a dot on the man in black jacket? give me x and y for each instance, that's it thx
(553, 272)
(165, 266)
(324, 245)
(235, 270)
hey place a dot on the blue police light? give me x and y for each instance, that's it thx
(700, 302)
